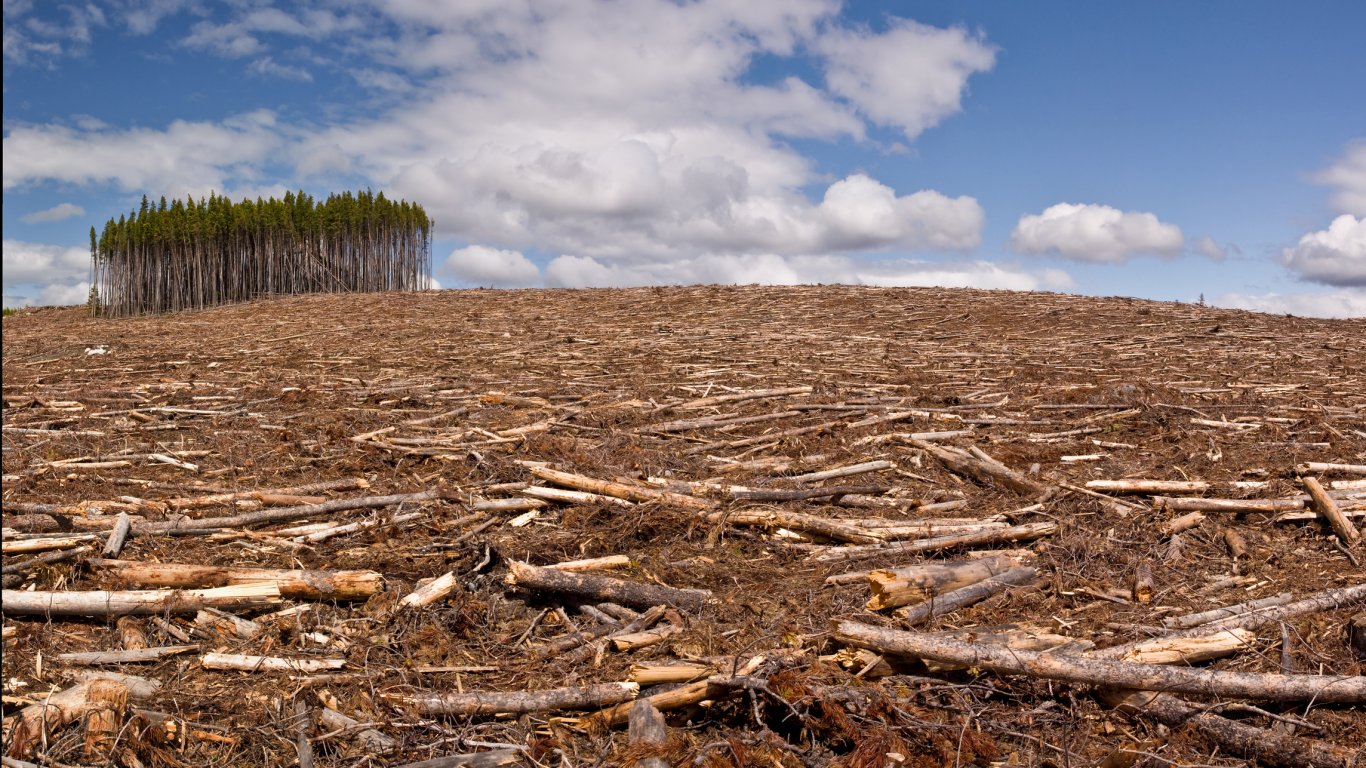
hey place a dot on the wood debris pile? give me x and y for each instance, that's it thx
(685, 526)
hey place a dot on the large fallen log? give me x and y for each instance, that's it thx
(893, 588)
(1324, 689)
(603, 588)
(1025, 532)
(25, 730)
(300, 584)
(107, 603)
(617, 490)
(968, 595)
(1267, 747)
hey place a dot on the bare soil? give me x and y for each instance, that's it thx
(269, 395)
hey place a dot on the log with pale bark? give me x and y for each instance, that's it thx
(1148, 487)
(1025, 532)
(246, 663)
(134, 602)
(1328, 510)
(948, 602)
(1089, 670)
(893, 588)
(1190, 650)
(773, 517)
(293, 584)
(429, 593)
(127, 656)
(678, 698)
(635, 493)
(473, 703)
(596, 587)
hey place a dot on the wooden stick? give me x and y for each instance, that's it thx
(597, 587)
(1325, 468)
(853, 469)
(593, 563)
(1328, 510)
(677, 698)
(801, 494)
(118, 536)
(1233, 506)
(1324, 689)
(286, 514)
(301, 585)
(429, 593)
(110, 604)
(517, 702)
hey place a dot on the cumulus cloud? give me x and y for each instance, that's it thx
(55, 213)
(1333, 256)
(1095, 233)
(1344, 303)
(57, 274)
(1348, 177)
(910, 77)
(39, 262)
(636, 139)
(269, 67)
(33, 39)
(490, 267)
(185, 157)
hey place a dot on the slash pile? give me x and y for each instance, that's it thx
(685, 526)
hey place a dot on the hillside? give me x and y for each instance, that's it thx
(753, 453)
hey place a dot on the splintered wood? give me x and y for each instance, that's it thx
(554, 527)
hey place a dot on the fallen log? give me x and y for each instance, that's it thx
(617, 490)
(1214, 614)
(1265, 746)
(1138, 486)
(648, 735)
(244, 663)
(1024, 532)
(1190, 650)
(517, 702)
(962, 597)
(67, 706)
(978, 465)
(684, 696)
(1328, 510)
(893, 588)
(603, 588)
(127, 656)
(1324, 689)
(108, 603)
(796, 521)
(301, 584)
(287, 514)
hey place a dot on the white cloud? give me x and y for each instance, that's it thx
(1333, 256)
(910, 77)
(634, 138)
(771, 269)
(58, 295)
(29, 39)
(42, 263)
(1095, 233)
(268, 67)
(1344, 303)
(1348, 177)
(55, 213)
(186, 157)
(1207, 246)
(480, 265)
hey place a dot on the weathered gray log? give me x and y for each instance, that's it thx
(648, 734)
(1324, 689)
(980, 466)
(1263, 745)
(517, 702)
(603, 588)
(106, 603)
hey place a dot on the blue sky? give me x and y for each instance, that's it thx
(1163, 150)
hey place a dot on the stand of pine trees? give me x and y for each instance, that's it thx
(192, 254)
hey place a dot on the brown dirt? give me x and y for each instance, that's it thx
(292, 380)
